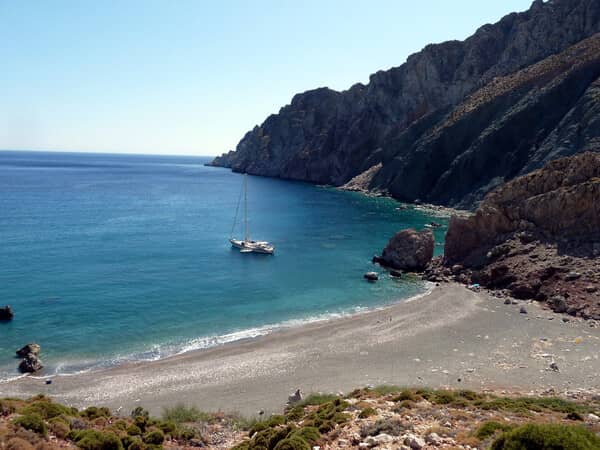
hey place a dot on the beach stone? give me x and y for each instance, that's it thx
(523, 310)
(433, 438)
(30, 363)
(342, 443)
(572, 276)
(409, 250)
(29, 349)
(6, 313)
(414, 442)
(593, 418)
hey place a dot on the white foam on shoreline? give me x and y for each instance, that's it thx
(157, 352)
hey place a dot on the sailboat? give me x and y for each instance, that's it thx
(247, 245)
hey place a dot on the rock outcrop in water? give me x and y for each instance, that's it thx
(29, 348)
(6, 313)
(409, 250)
(537, 237)
(454, 121)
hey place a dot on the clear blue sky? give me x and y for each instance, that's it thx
(191, 77)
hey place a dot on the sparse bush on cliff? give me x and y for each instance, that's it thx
(33, 422)
(547, 436)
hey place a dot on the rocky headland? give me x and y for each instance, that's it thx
(455, 121)
(536, 237)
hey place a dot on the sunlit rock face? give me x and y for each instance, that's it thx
(453, 122)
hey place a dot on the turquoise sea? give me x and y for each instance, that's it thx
(113, 258)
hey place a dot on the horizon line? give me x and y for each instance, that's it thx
(103, 152)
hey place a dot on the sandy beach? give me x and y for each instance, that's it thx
(450, 337)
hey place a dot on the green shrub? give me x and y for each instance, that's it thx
(133, 430)
(547, 436)
(443, 397)
(309, 434)
(385, 389)
(167, 426)
(275, 420)
(490, 428)
(367, 412)
(120, 425)
(136, 444)
(141, 422)
(47, 410)
(295, 413)
(154, 437)
(318, 399)
(293, 443)
(59, 427)
(184, 433)
(340, 417)
(93, 412)
(33, 422)
(527, 404)
(405, 394)
(326, 426)
(97, 440)
(139, 411)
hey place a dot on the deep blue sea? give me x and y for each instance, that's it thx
(113, 258)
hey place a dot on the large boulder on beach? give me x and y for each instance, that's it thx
(6, 313)
(409, 250)
(32, 348)
(30, 363)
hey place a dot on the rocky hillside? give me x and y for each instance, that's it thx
(537, 236)
(455, 120)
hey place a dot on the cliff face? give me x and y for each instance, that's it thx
(537, 237)
(455, 120)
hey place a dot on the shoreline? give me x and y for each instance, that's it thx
(248, 334)
(449, 337)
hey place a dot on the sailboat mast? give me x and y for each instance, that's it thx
(246, 206)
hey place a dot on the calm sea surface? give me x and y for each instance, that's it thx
(112, 258)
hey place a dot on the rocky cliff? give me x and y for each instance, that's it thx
(454, 121)
(537, 237)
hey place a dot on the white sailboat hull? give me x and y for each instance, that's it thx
(252, 246)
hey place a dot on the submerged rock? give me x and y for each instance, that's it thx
(371, 276)
(6, 313)
(32, 348)
(409, 250)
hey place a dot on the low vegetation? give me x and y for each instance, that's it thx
(457, 419)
